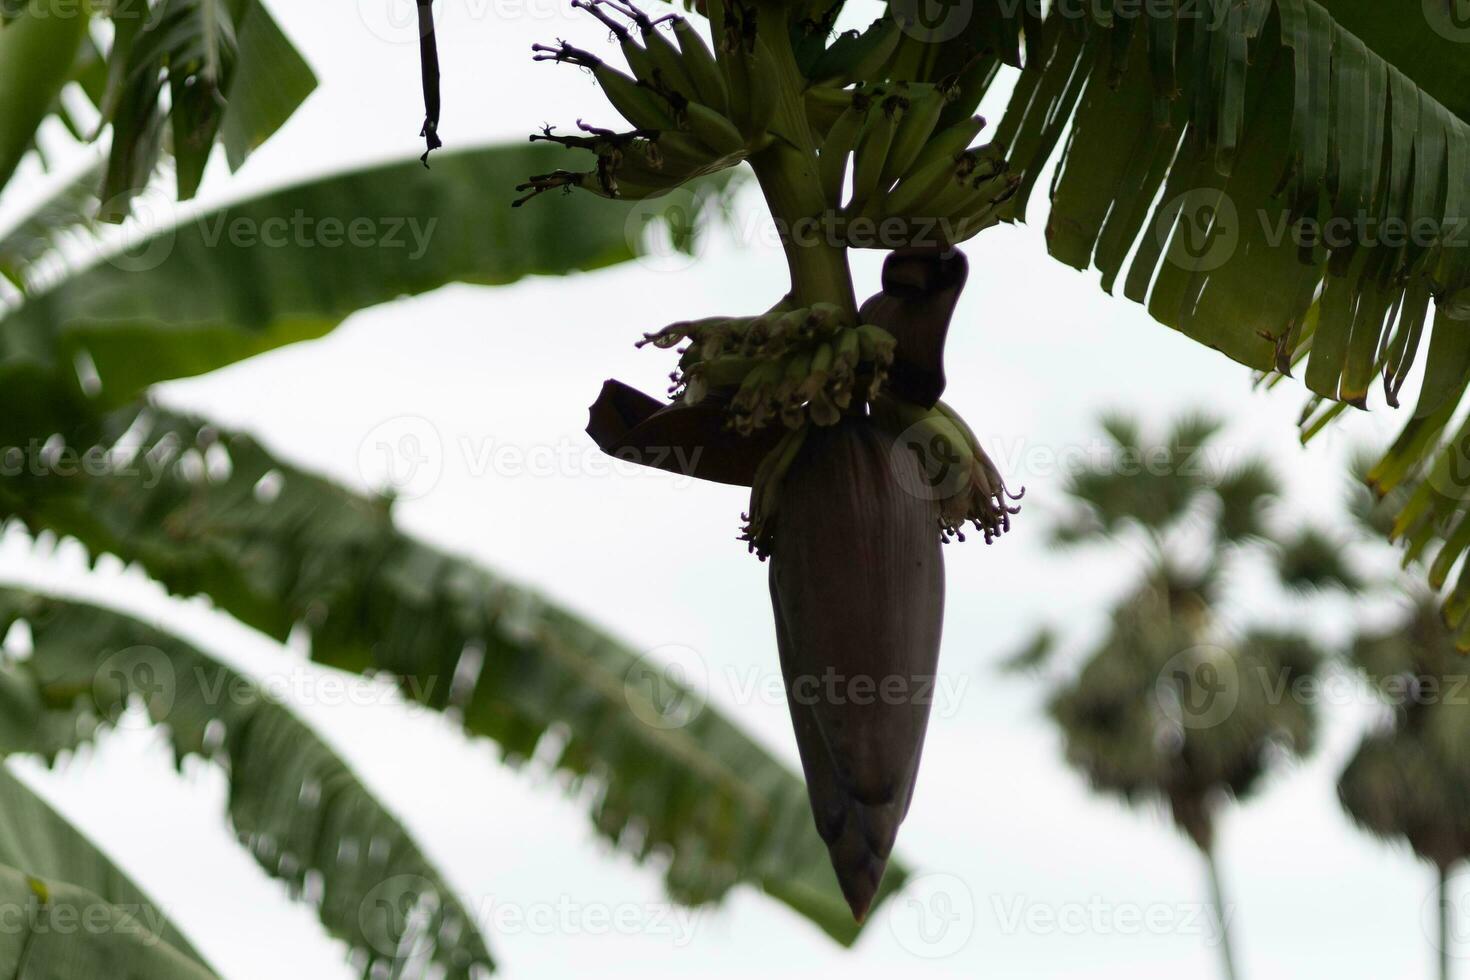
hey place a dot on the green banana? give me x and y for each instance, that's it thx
(765, 491)
(838, 146)
(713, 129)
(824, 106)
(982, 209)
(638, 103)
(798, 367)
(875, 343)
(966, 90)
(764, 93)
(722, 372)
(857, 56)
(820, 369)
(751, 407)
(709, 84)
(947, 144)
(911, 136)
(683, 152)
(872, 151)
(737, 73)
(914, 192)
(667, 61)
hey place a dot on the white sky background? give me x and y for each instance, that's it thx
(1036, 353)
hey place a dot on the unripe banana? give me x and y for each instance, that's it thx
(911, 136)
(872, 151)
(838, 146)
(875, 343)
(682, 151)
(856, 56)
(723, 372)
(639, 60)
(824, 106)
(709, 84)
(798, 368)
(981, 210)
(713, 129)
(915, 192)
(947, 144)
(667, 61)
(638, 104)
(765, 91)
(737, 73)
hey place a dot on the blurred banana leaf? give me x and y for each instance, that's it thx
(302, 813)
(1286, 181)
(276, 547)
(176, 78)
(52, 880)
(288, 266)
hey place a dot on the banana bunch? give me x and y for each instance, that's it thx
(912, 182)
(692, 113)
(793, 365)
(956, 470)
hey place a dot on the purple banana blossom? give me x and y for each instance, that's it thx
(856, 571)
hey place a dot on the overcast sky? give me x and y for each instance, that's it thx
(1042, 878)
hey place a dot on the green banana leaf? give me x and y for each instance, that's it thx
(225, 285)
(276, 546)
(37, 51)
(1191, 140)
(52, 879)
(294, 803)
(230, 74)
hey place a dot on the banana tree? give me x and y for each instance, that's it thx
(280, 549)
(1284, 180)
(1271, 108)
(1171, 706)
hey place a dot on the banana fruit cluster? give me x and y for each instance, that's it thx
(692, 115)
(909, 180)
(956, 470)
(791, 365)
